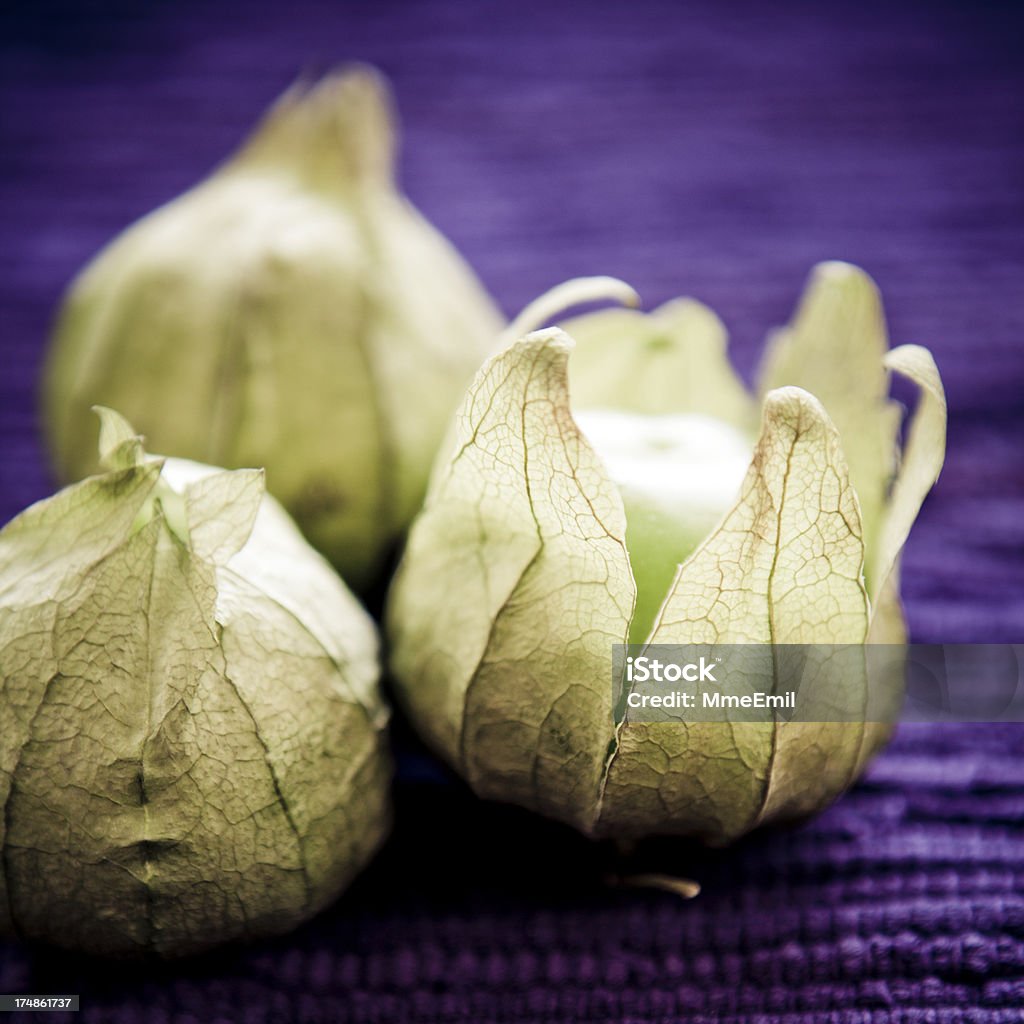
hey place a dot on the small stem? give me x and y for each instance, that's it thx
(556, 301)
(686, 888)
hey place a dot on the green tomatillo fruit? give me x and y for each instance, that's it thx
(628, 493)
(292, 311)
(192, 744)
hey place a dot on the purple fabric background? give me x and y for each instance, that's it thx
(689, 148)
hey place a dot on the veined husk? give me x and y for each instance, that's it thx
(293, 311)
(192, 744)
(517, 581)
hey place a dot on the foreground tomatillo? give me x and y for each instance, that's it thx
(192, 741)
(628, 493)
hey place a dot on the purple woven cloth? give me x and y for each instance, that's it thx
(703, 149)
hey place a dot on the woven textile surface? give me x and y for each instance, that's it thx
(712, 150)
